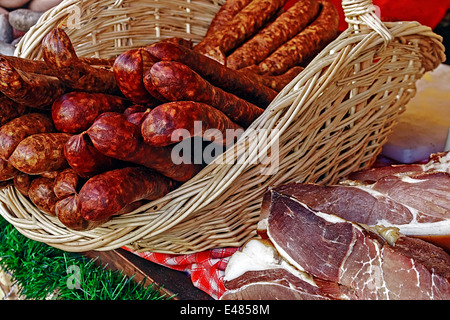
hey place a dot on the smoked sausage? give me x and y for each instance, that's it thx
(10, 109)
(307, 43)
(108, 193)
(177, 82)
(68, 214)
(22, 183)
(42, 195)
(30, 89)
(84, 158)
(66, 183)
(128, 69)
(243, 25)
(75, 112)
(217, 74)
(161, 124)
(225, 14)
(7, 171)
(13, 132)
(40, 153)
(268, 39)
(59, 53)
(115, 137)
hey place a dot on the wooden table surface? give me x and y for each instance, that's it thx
(171, 282)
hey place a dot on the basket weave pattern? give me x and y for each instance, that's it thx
(331, 120)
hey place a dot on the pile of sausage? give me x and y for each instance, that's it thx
(86, 139)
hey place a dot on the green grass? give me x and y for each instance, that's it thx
(43, 272)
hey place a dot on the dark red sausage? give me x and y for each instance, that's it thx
(42, 195)
(59, 54)
(243, 25)
(75, 112)
(22, 183)
(162, 125)
(84, 158)
(67, 211)
(30, 89)
(66, 183)
(40, 153)
(225, 14)
(7, 171)
(115, 137)
(13, 132)
(129, 68)
(215, 73)
(108, 193)
(270, 38)
(10, 109)
(306, 44)
(177, 82)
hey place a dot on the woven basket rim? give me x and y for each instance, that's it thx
(353, 46)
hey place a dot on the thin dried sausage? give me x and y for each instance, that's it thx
(243, 25)
(161, 125)
(177, 82)
(268, 39)
(306, 44)
(225, 14)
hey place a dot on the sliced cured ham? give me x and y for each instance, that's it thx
(258, 272)
(413, 198)
(372, 263)
(337, 250)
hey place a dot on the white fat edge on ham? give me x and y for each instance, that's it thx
(257, 256)
(442, 165)
(413, 228)
(378, 195)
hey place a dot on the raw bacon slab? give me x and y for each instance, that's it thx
(336, 250)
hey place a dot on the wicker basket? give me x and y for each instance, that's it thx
(331, 120)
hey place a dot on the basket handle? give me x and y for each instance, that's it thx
(362, 13)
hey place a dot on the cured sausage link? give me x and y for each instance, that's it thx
(177, 82)
(75, 111)
(108, 193)
(266, 41)
(160, 125)
(115, 137)
(225, 14)
(59, 53)
(217, 74)
(30, 89)
(243, 25)
(305, 44)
